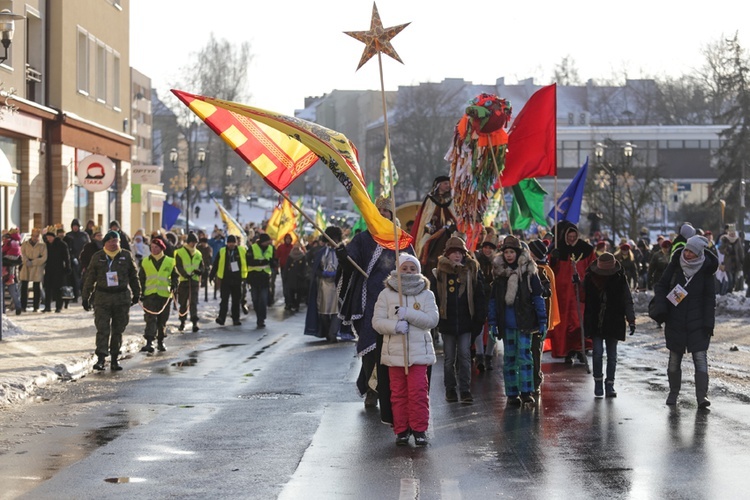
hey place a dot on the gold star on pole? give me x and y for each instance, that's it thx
(377, 39)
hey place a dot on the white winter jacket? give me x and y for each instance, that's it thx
(422, 315)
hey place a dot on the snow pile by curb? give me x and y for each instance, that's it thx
(16, 390)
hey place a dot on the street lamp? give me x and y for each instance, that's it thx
(201, 157)
(7, 28)
(627, 151)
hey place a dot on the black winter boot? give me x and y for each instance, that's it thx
(675, 382)
(609, 389)
(598, 387)
(701, 389)
(99, 366)
(114, 365)
(182, 325)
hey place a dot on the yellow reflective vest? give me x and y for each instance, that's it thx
(189, 263)
(241, 251)
(258, 254)
(158, 280)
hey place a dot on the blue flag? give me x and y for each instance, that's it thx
(169, 214)
(568, 207)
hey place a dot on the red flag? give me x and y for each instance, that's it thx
(532, 139)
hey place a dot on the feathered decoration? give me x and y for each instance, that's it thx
(477, 158)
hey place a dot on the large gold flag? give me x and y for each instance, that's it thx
(296, 139)
(272, 225)
(387, 168)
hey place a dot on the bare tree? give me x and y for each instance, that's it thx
(422, 132)
(566, 72)
(218, 70)
(727, 77)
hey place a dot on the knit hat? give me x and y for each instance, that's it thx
(696, 244)
(334, 232)
(666, 243)
(159, 242)
(605, 265)
(454, 243)
(192, 238)
(264, 238)
(75, 223)
(110, 235)
(625, 247)
(231, 239)
(687, 230)
(405, 257)
(513, 243)
(538, 249)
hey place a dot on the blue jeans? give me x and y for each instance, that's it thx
(457, 359)
(611, 357)
(259, 296)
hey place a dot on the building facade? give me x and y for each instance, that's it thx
(69, 66)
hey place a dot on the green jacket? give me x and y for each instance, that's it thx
(119, 290)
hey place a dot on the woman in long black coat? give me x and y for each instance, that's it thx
(56, 271)
(689, 324)
(609, 304)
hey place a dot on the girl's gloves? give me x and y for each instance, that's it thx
(632, 328)
(401, 312)
(402, 327)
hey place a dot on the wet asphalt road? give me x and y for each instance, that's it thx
(238, 413)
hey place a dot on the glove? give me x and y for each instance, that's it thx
(135, 300)
(632, 328)
(86, 304)
(401, 312)
(576, 279)
(341, 253)
(402, 327)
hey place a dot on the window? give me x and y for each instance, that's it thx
(83, 62)
(101, 73)
(116, 81)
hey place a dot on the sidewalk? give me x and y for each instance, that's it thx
(42, 348)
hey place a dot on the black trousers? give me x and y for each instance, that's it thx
(231, 290)
(25, 294)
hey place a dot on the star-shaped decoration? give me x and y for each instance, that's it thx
(377, 39)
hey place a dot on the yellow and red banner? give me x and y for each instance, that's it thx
(294, 145)
(283, 221)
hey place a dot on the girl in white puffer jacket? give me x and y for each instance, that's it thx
(407, 341)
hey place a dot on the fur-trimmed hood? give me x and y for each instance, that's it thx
(525, 264)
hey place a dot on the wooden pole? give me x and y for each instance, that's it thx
(393, 203)
(311, 221)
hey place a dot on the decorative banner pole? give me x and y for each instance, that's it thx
(378, 39)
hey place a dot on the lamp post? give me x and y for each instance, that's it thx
(201, 157)
(7, 28)
(627, 151)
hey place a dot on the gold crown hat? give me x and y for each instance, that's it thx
(383, 203)
(35, 231)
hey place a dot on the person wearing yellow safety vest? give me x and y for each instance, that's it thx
(157, 276)
(230, 268)
(261, 263)
(189, 265)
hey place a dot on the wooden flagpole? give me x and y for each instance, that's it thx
(393, 203)
(311, 221)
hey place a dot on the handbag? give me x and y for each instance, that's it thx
(655, 312)
(67, 293)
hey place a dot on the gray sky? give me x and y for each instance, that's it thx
(299, 48)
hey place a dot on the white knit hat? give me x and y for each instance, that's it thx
(405, 257)
(696, 244)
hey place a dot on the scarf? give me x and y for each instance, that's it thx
(111, 255)
(513, 273)
(467, 275)
(411, 284)
(690, 267)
